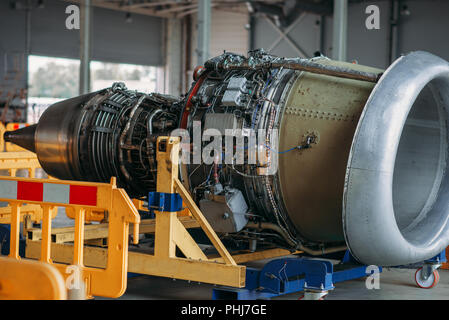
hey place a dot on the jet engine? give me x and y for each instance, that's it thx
(309, 154)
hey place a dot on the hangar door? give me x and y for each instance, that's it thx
(228, 32)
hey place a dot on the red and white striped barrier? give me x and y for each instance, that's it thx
(48, 192)
(16, 126)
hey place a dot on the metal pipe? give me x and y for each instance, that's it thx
(394, 21)
(150, 121)
(85, 33)
(204, 23)
(308, 66)
(339, 41)
(341, 72)
(125, 132)
(300, 246)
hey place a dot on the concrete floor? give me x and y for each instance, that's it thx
(394, 284)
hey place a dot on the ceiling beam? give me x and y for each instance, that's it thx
(178, 8)
(149, 4)
(149, 8)
(116, 6)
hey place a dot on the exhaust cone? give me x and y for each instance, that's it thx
(23, 137)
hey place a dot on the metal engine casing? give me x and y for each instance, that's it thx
(362, 154)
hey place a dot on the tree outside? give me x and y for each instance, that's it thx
(55, 80)
(58, 78)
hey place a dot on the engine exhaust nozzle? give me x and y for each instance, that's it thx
(23, 137)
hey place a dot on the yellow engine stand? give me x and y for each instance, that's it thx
(171, 233)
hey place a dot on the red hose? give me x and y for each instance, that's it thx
(186, 112)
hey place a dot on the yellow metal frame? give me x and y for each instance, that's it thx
(108, 282)
(97, 257)
(28, 213)
(171, 233)
(2, 141)
(99, 231)
(30, 280)
(170, 229)
(13, 161)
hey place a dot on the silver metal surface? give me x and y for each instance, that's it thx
(94, 137)
(396, 195)
(204, 27)
(85, 46)
(226, 212)
(226, 123)
(339, 40)
(56, 137)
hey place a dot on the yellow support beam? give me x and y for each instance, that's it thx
(46, 234)
(15, 231)
(105, 270)
(143, 263)
(258, 255)
(185, 242)
(34, 211)
(170, 233)
(196, 212)
(99, 231)
(168, 149)
(2, 141)
(18, 160)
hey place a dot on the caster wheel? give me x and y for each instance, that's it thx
(431, 281)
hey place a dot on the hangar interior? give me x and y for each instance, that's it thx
(359, 91)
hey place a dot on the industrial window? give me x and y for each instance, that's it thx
(52, 79)
(49, 81)
(136, 77)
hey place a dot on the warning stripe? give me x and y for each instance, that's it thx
(49, 192)
(19, 125)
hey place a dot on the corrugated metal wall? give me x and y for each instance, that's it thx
(228, 33)
(142, 41)
(113, 39)
(425, 28)
(305, 34)
(12, 38)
